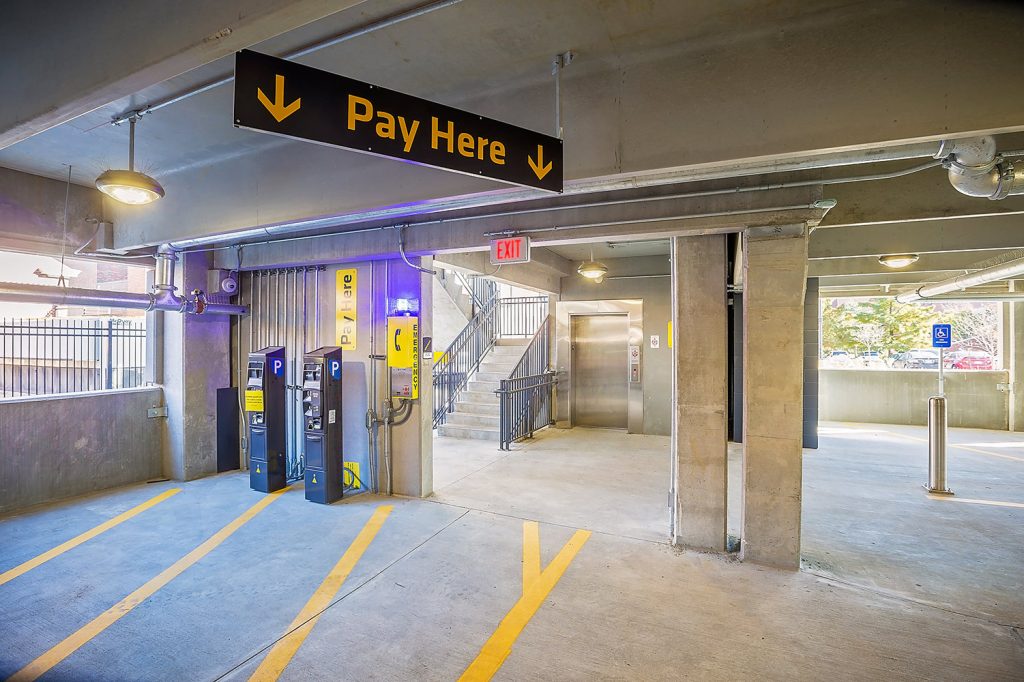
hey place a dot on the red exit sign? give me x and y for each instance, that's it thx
(510, 250)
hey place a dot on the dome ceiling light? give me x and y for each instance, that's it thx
(898, 260)
(592, 269)
(129, 186)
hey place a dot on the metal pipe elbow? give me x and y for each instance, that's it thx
(970, 155)
(997, 183)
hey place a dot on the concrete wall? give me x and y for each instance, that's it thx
(656, 294)
(61, 446)
(196, 363)
(901, 397)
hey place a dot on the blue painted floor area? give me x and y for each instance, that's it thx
(442, 574)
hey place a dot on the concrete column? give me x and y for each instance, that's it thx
(775, 272)
(811, 353)
(412, 455)
(1015, 364)
(700, 350)
(196, 363)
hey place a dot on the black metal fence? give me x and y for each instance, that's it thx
(525, 397)
(499, 317)
(54, 355)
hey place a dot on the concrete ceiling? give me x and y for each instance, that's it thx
(626, 94)
(605, 250)
(492, 45)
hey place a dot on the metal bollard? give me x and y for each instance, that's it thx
(937, 446)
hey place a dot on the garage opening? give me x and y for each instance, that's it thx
(571, 422)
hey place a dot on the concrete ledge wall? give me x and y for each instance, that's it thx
(57, 447)
(901, 397)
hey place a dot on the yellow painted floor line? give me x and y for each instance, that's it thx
(499, 646)
(531, 553)
(954, 445)
(968, 500)
(103, 621)
(281, 655)
(24, 568)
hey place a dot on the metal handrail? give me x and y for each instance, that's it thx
(462, 357)
(525, 397)
(520, 316)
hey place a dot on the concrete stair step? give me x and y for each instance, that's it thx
(490, 376)
(472, 433)
(477, 408)
(483, 385)
(503, 371)
(478, 397)
(510, 343)
(472, 420)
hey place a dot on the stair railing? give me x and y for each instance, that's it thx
(525, 398)
(499, 317)
(462, 358)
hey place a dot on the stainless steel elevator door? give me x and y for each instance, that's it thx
(600, 347)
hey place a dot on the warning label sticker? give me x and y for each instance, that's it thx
(254, 401)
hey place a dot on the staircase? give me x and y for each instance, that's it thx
(476, 412)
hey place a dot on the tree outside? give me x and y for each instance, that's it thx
(874, 332)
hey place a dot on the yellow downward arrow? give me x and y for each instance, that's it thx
(539, 169)
(277, 108)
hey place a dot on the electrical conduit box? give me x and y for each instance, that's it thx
(404, 356)
(322, 440)
(265, 418)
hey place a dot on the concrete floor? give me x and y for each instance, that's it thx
(442, 573)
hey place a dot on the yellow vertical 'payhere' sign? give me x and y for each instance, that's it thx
(345, 309)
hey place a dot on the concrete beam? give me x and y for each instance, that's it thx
(923, 236)
(645, 220)
(928, 263)
(700, 419)
(924, 195)
(774, 281)
(622, 113)
(107, 49)
(542, 273)
(32, 213)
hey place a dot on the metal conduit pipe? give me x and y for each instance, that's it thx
(315, 46)
(977, 170)
(160, 297)
(1013, 268)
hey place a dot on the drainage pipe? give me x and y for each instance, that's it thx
(1010, 269)
(160, 297)
(977, 170)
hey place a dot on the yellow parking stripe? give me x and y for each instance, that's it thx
(967, 500)
(97, 625)
(281, 655)
(24, 568)
(962, 447)
(499, 646)
(531, 553)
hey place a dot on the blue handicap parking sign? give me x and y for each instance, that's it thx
(942, 335)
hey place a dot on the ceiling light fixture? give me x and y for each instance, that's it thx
(129, 186)
(898, 260)
(592, 269)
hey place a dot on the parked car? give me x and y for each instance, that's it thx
(870, 358)
(838, 358)
(921, 358)
(971, 359)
